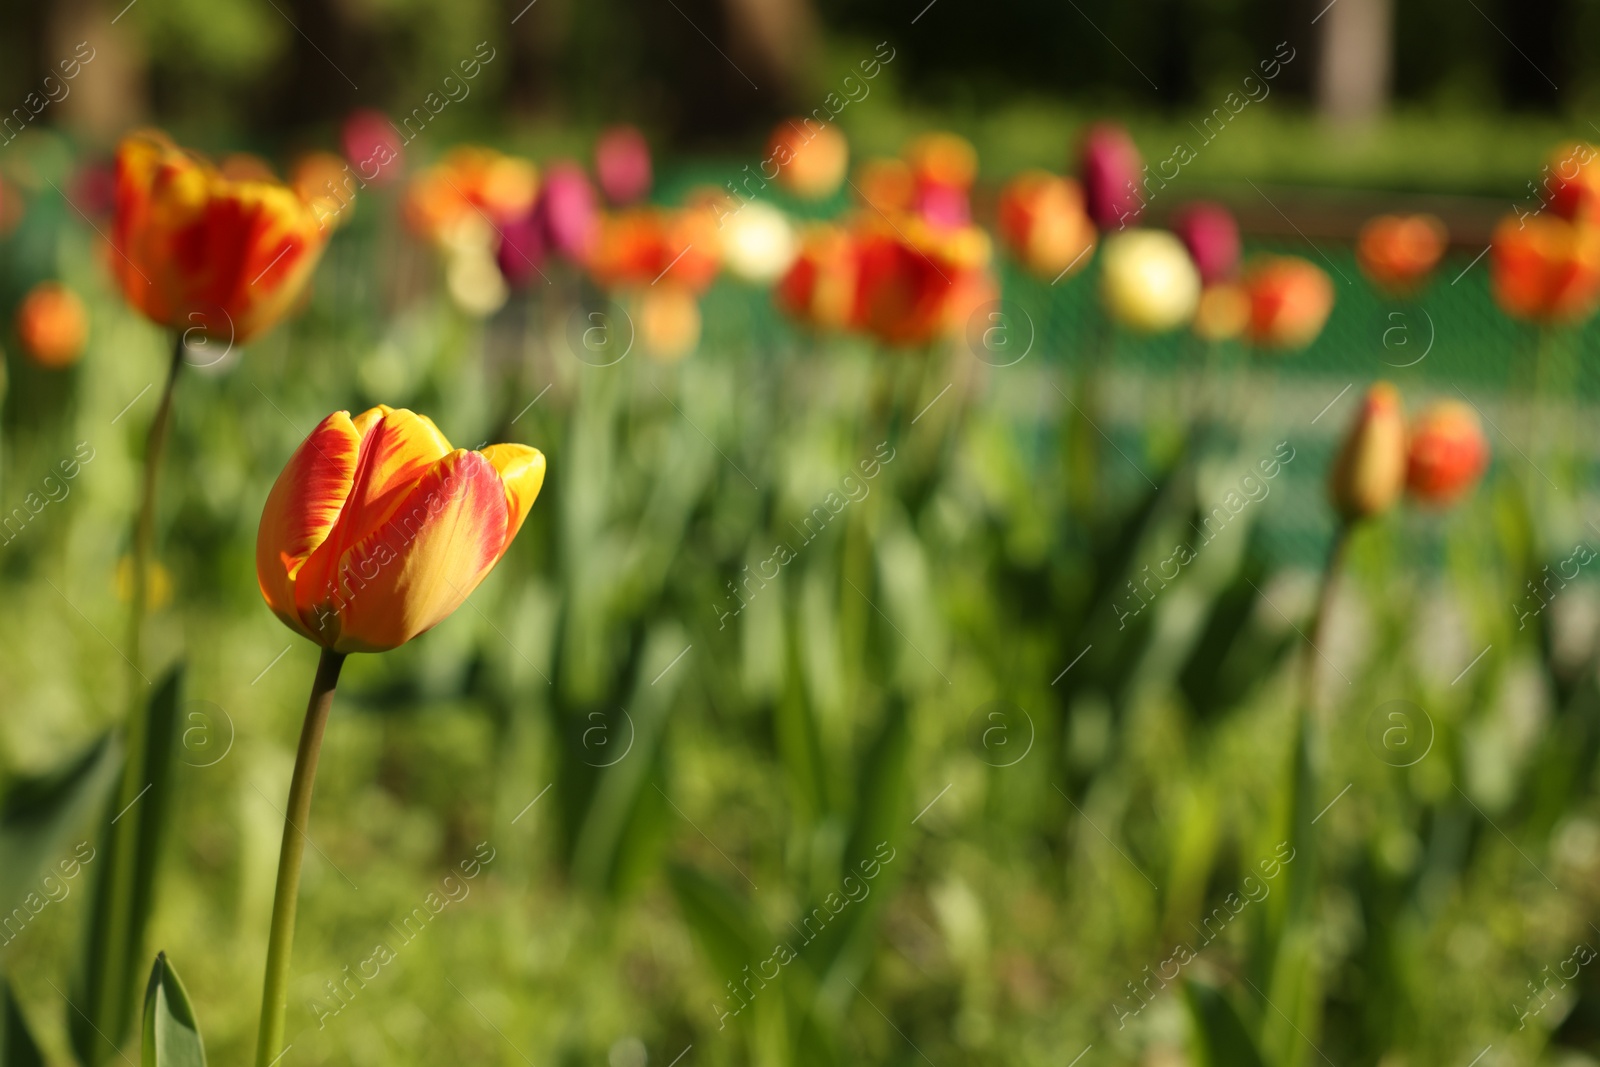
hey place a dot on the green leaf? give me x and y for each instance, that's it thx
(124, 893)
(1220, 1037)
(17, 1047)
(39, 814)
(171, 1036)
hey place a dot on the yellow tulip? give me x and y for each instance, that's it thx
(377, 529)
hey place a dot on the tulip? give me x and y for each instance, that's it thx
(1212, 237)
(52, 325)
(521, 254)
(758, 243)
(323, 181)
(472, 189)
(1573, 184)
(1042, 221)
(1545, 269)
(198, 251)
(1148, 281)
(1398, 252)
(819, 288)
(1108, 166)
(943, 167)
(622, 164)
(1370, 470)
(811, 159)
(643, 245)
(885, 186)
(566, 212)
(373, 534)
(1223, 312)
(1448, 453)
(1290, 300)
(372, 146)
(377, 529)
(916, 282)
(668, 318)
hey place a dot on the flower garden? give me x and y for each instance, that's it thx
(479, 606)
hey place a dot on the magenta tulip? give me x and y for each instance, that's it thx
(1108, 166)
(1208, 231)
(622, 163)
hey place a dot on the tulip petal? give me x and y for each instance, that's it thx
(304, 506)
(522, 470)
(409, 574)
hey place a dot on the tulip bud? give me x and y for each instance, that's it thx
(1148, 281)
(1290, 300)
(1108, 166)
(1212, 237)
(1370, 470)
(1398, 252)
(1448, 453)
(52, 325)
(622, 165)
(377, 529)
(811, 159)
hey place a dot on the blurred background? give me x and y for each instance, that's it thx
(1108, 818)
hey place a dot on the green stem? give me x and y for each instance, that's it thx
(275, 988)
(144, 530)
(125, 837)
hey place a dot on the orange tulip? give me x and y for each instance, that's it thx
(1370, 470)
(810, 159)
(377, 529)
(1545, 269)
(1042, 221)
(1573, 182)
(53, 325)
(1290, 299)
(1448, 452)
(819, 288)
(639, 246)
(324, 182)
(668, 317)
(471, 187)
(1398, 252)
(943, 159)
(885, 186)
(197, 250)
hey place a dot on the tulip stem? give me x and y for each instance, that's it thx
(144, 529)
(275, 987)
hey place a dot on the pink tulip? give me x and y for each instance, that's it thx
(1108, 166)
(1212, 237)
(622, 163)
(566, 213)
(522, 250)
(372, 146)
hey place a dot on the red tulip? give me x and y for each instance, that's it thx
(819, 288)
(1573, 182)
(1448, 453)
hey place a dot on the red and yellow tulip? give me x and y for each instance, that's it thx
(194, 249)
(1398, 252)
(1545, 269)
(1043, 223)
(377, 529)
(1290, 300)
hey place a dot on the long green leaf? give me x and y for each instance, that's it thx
(1220, 1037)
(17, 1047)
(171, 1036)
(107, 987)
(37, 818)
